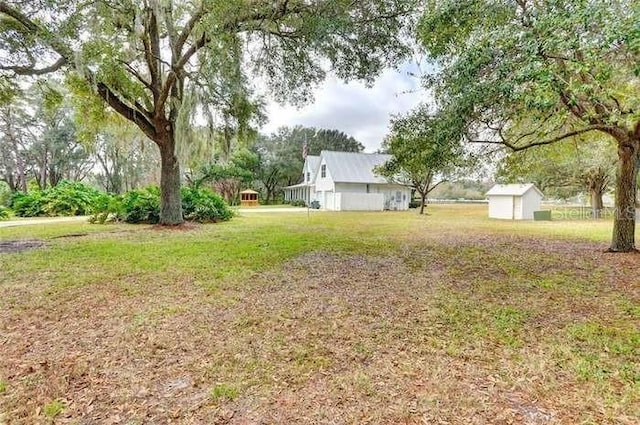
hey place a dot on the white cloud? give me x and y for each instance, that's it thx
(360, 111)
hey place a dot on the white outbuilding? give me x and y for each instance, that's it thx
(514, 201)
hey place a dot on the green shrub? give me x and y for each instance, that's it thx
(4, 212)
(27, 204)
(414, 203)
(143, 206)
(65, 199)
(107, 209)
(140, 206)
(204, 206)
(69, 198)
(298, 203)
(5, 193)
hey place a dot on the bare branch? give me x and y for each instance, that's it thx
(515, 148)
(136, 74)
(32, 70)
(127, 111)
(436, 185)
(186, 32)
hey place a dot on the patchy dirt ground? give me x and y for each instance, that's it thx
(445, 331)
(19, 245)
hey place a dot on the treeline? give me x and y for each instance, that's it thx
(44, 153)
(42, 145)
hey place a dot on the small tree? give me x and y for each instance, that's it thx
(56, 154)
(424, 152)
(228, 178)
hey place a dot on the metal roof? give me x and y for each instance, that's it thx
(354, 167)
(294, 186)
(512, 189)
(313, 161)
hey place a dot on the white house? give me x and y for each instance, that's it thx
(305, 190)
(514, 201)
(346, 181)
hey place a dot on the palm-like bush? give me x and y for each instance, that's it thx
(65, 199)
(204, 206)
(4, 212)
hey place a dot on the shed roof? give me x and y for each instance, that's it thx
(248, 191)
(512, 189)
(354, 167)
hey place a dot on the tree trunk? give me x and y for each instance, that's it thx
(625, 214)
(22, 173)
(596, 203)
(170, 199)
(423, 201)
(20, 166)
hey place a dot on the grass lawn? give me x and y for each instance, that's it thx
(380, 318)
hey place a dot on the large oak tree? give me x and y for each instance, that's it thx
(526, 73)
(162, 63)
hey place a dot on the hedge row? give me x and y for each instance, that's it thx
(143, 206)
(136, 206)
(65, 199)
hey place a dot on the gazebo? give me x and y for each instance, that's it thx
(249, 198)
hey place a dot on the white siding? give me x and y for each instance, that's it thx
(517, 207)
(395, 197)
(324, 183)
(351, 187)
(501, 206)
(532, 201)
(348, 194)
(512, 207)
(307, 173)
(327, 200)
(351, 201)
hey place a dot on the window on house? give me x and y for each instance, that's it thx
(308, 176)
(368, 188)
(398, 196)
(323, 170)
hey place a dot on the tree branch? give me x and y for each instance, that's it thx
(136, 74)
(32, 70)
(515, 148)
(149, 55)
(436, 185)
(186, 32)
(177, 68)
(31, 28)
(126, 111)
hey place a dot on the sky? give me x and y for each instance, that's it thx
(359, 111)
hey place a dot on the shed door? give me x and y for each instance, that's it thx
(517, 207)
